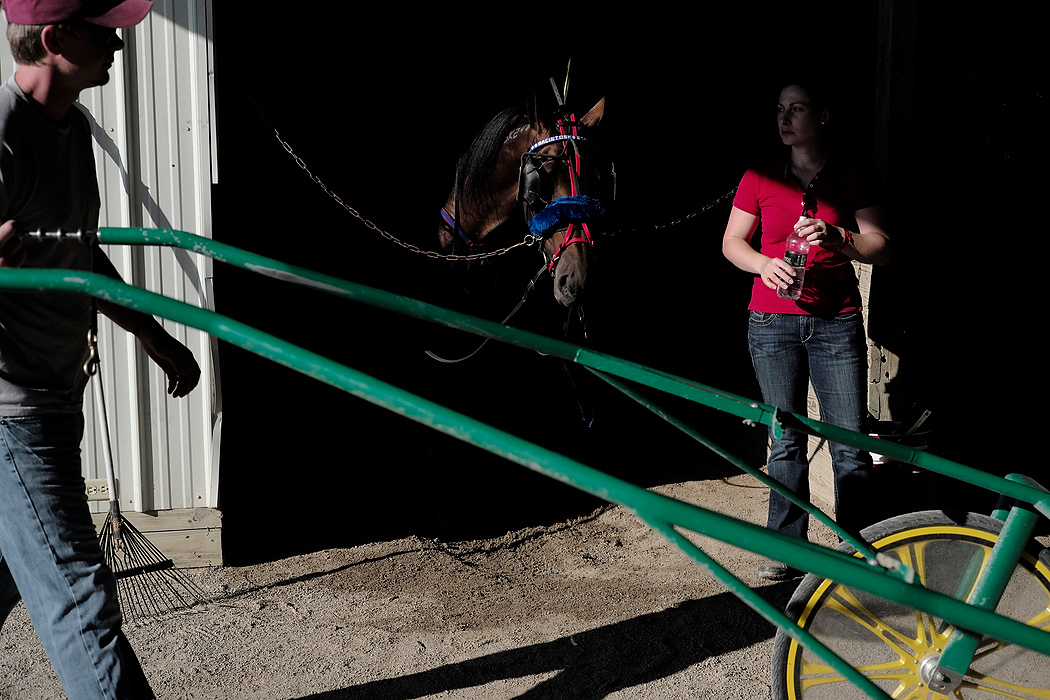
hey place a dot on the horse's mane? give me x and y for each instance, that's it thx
(476, 166)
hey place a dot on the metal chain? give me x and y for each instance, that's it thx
(698, 212)
(529, 240)
(682, 220)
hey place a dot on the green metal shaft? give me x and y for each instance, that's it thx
(661, 515)
(803, 555)
(678, 386)
(763, 607)
(994, 576)
(857, 543)
(990, 586)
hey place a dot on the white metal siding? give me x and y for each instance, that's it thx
(155, 162)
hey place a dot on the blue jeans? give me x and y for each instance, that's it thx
(50, 558)
(788, 351)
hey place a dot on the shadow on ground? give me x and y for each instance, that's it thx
(592, 664)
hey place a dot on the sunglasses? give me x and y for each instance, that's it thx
(102, 37)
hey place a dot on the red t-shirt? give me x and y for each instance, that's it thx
(771, 194)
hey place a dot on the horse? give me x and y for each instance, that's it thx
(548, 166)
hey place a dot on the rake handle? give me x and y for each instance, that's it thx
(107, 454)
(107, 449)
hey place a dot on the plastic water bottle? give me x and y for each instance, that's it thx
(796, 251)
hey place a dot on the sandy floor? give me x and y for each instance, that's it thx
(597, 607)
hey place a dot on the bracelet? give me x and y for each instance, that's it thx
(847, 238)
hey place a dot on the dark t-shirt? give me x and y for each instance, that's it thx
(47, 182)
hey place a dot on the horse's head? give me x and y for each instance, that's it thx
(548, 167)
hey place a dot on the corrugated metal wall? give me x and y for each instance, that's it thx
(155, 156)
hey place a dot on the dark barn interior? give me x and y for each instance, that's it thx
(952, 109)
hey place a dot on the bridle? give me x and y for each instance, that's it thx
(545, 215)
(536, 189)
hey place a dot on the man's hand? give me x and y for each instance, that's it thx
(174, 358)
(170, 355)
(11, 252)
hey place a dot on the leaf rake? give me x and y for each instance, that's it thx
(147, 581)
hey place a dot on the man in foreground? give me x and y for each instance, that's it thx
(49, 554)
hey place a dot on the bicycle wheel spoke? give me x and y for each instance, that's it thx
(922, 562)
(986, 684)
(846, 603)
(1042, 620)
(897, 647)
(909, 685)
(998, 656)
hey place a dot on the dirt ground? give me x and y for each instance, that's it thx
(596, 607)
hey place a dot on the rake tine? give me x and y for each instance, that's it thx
(147, 581)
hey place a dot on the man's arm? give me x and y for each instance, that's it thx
(174, 358)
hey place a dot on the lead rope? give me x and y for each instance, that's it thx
(521, 302)
(587, 414)
(452, 220)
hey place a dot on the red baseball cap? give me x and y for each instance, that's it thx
(116, 14)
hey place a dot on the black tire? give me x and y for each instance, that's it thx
(888, 641)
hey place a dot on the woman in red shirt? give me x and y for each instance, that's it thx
(820, 336)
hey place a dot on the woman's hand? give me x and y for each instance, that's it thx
(777, 274)
(736, 246)
(869, 244)
(820, 232)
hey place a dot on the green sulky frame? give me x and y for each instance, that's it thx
(1022, 499)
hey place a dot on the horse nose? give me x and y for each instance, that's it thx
(567, 289)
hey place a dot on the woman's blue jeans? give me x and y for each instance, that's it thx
(788, 352)
(50, 558)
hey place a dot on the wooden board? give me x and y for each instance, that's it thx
(190, 537)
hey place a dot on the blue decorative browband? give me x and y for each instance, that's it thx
(554, 139)
(564, 211)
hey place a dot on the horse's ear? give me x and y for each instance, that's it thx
(591, 119)
(532, 110)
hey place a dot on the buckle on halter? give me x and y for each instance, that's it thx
(532, 240)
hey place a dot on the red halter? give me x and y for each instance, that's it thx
(574, 233)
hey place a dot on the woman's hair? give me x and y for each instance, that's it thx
(820, 95)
